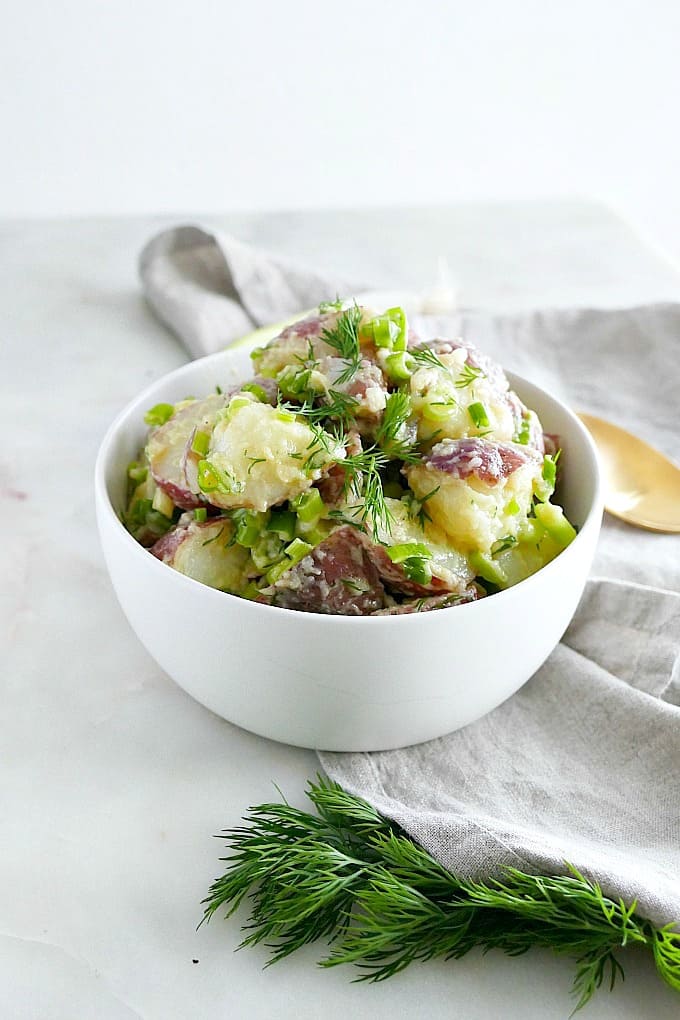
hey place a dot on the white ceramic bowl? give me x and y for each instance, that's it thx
(334, 682)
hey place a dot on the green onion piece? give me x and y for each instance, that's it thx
(397, 366)
(439, 410)
(399, 553)
(277, 571)
(417, 569)
(297, 550)
(398, 316)
(282, 523)
(257, 391)
(313, 533)
(267, 550)
(200, 514)
(549, 471)
(137, 472)
(513, 507)
(237, 403)
(249, 525)
(200, 443)
(309, 506)
(389, 331)
(524, 433)
(208, 478)
(159, 414)
(139, 510)
(480, 418)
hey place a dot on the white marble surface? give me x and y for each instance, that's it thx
(113, 781)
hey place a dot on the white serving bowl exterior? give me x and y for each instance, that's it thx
(335, 682)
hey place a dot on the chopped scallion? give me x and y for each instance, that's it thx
(282, 523)
(399, 553)
(478, 415)
(159, 414)
(200, 443)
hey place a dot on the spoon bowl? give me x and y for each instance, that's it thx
(642, 485)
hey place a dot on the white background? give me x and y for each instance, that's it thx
(162, 106)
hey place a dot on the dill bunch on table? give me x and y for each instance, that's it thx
(351, 876)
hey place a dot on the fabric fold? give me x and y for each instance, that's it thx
(583, 763)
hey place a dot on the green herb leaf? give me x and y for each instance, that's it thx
(344, 338)
(348, 875)
(467, 376)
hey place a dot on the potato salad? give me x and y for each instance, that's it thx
(359, 471)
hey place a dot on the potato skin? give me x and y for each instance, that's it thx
(265, 458)
(202, 551)
(167, 446)
(337, 577)
(477, 483)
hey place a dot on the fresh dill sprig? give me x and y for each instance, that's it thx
(392, 435)
(416, 507)
(426, 357)
(348, 875)
(364, 468)
(468, 375)
(343, 337)
(335, 404)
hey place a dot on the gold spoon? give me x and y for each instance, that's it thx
(642, 486)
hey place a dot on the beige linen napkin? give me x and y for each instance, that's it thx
(583, 763)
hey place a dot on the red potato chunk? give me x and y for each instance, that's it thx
(481, 490)
(202, 551)
(338, 577)
(167, 448)
(261, 456)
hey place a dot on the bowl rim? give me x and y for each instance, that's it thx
(104, 505)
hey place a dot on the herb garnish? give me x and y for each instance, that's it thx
(467, 376)
(343, 337)
(352, 876)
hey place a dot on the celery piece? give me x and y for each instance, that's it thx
(484, 566)
(162, 503)
(200, 515)
(555, 523)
